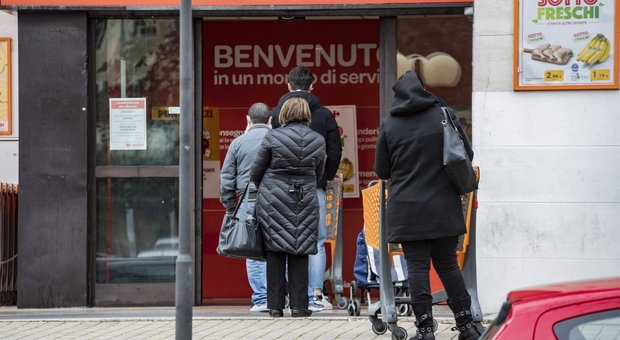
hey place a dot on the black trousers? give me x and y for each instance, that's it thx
(442, 251)
(297, 280)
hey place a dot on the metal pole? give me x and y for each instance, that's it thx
(184, 285)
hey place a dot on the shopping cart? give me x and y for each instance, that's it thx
(333, 222)
(367, 266)
(383, 314)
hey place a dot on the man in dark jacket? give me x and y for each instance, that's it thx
(234, 178)
(424, 211)
(300, 84)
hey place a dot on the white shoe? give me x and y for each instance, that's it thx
(315, 307)
(323, 302)
(259, 308)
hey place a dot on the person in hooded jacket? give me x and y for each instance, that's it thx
(424, 212)
(300, 85)
(285, 170)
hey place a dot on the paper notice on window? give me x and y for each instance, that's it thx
(347, 126)
(127, 123)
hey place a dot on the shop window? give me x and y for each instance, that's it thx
(139, 58)
(136, 199)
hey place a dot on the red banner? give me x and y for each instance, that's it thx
(248, 61)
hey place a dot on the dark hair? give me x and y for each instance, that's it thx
(259, 113)
(300, 78)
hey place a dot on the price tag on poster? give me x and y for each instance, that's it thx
(566, 44)
(349, 168)
(127, 123)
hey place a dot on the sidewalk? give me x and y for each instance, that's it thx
(209, 322)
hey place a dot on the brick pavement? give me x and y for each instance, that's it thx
(212, 322)
(207, 328)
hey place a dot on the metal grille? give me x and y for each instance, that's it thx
(8, 244)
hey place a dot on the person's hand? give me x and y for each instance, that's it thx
(230, 212)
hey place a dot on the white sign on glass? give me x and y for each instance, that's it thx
(127, 123)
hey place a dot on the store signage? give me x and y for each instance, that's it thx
(127, 123)
(241, 69)
(566, 44)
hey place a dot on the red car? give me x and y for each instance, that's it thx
(582, 310)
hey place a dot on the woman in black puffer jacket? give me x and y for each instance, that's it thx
(289, 162)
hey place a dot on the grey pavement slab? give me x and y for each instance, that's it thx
(209, 322)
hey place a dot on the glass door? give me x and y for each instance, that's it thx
(136, 76)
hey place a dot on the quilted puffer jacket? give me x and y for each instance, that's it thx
(286, 168)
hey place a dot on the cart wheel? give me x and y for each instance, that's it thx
(354, 308)
(404, 309)
(358, 307)
(379, 327)
(351, 310)
(399, 333)
(342, 302)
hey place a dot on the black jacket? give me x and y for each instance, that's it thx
(324, 123)
(286, 168)
(422, 204)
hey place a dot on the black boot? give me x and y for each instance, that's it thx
(424, 320)
(464, 320)
(300, 312)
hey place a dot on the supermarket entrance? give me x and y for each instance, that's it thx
(246, 60)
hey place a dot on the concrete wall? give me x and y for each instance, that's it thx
(550, 190)
(9, 144)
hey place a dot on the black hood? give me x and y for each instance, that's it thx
(313, 101)
(410, 96)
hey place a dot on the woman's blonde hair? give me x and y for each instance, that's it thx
(295, 110)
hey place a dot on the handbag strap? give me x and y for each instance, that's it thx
(448, 118)
(243, 202)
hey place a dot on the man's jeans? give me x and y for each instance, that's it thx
(316, 263)
(257, 273)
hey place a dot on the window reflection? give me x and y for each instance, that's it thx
(137, 234)
(439, 49)
(139, 58)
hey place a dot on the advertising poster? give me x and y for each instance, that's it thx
(566, 44)
(127, 123)
(210, 152)
(248, 61)
(5, 86)
(347, 125)
(242, 69)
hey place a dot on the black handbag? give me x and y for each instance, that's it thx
(241, 237)
(456, 158)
